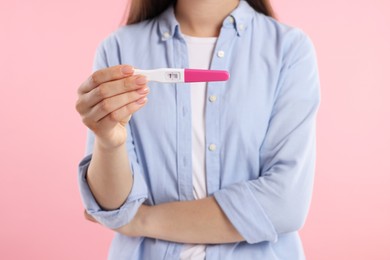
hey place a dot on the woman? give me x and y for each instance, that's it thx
(194, 171)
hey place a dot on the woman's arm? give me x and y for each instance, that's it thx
(107, 99)
(198, 221)
(109, 176)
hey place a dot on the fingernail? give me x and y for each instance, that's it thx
(127, 70)
(143, 90)
(141, 80)
(142, 100)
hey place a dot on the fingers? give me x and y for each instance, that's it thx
(109, 105)
(112, 88)
(121, 115)
(105, 75)
(108, 99)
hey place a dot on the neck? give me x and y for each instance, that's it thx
(203, 18)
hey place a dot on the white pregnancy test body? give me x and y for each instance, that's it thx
(164, 75)
(168, 75)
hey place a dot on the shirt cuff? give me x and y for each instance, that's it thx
(112, 218)
(246, 213)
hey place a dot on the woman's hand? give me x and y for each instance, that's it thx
(106, 101)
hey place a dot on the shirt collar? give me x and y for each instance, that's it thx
(242, 17)
(239, 19)
(168, 25)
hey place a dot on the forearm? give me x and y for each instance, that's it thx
(198, 222)
(109, 176)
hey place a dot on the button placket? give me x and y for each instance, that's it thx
(184, 170)
(213, 112)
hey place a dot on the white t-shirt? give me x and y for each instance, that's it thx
(200, 52)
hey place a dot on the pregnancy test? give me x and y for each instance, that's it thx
(168, 75)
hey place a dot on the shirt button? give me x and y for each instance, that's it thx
(241, 27)
(212, 147)
(230, 19)
(166, 35)
(212, 98)
(221, 54)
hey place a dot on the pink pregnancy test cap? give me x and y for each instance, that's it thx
(196, 75)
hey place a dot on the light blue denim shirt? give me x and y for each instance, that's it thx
(262, 124)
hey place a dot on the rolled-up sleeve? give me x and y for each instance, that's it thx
(278, 201)
(139, 192)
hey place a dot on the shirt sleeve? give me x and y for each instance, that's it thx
(278, 201)
(139, 192)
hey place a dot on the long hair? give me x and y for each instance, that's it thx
(141, 10)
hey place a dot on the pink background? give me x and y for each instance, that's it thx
(47, 49)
